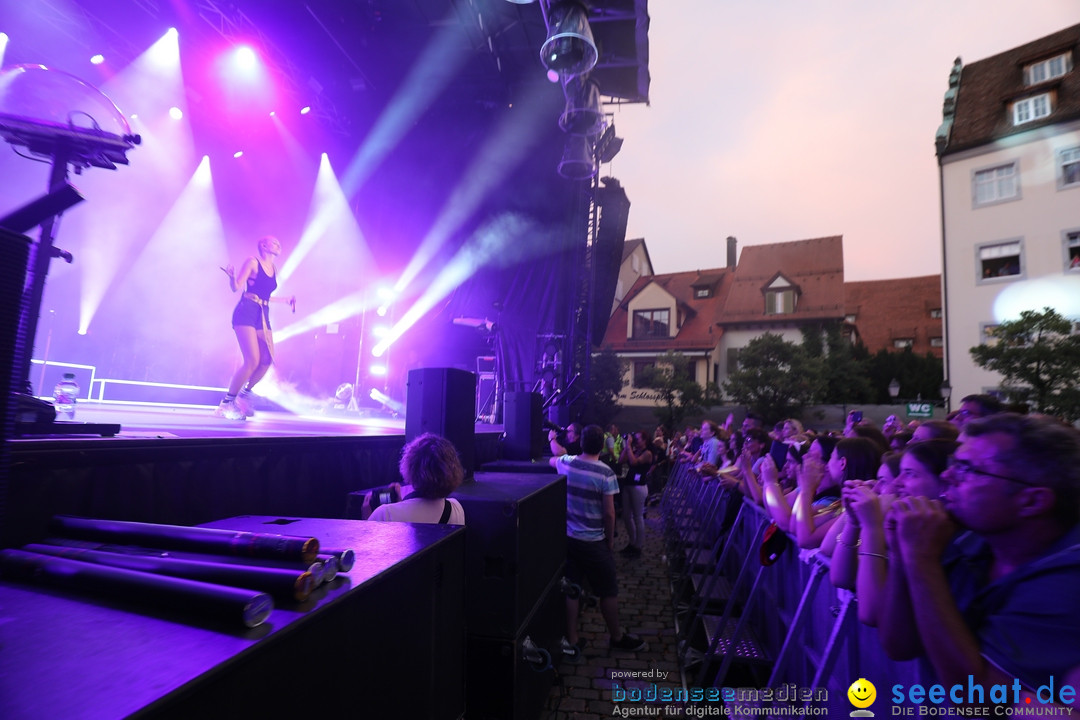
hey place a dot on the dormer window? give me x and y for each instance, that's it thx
(1047, 69)
(702, 292)
(779, 297)
(652, 324)
(1031, 108)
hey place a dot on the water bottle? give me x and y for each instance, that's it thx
(64, 396)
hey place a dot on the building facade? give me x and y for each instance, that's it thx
(894, 315)
(779, 288)
(1009, 156)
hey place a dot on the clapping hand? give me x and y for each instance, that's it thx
(769, 473)
(865, 505)
(809, 475)
(921, 528)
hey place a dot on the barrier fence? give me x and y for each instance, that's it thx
(744, 623)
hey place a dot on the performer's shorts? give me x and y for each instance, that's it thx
(250, 313)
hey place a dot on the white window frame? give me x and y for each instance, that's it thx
(937, 342)
(1048, 69)
(901, 343)
(1032, 108)
(1070, 243)
(993, 251)
(1068, 164)
(651, 318)
(992, 185)
(935, 313)
(702, 292)
(775, 295)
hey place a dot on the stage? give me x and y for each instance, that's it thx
(182, 465)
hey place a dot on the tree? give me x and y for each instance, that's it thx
(1038, 357)
(604, 387)
(775, 378)
(680, 395)
(920, 376)
(846, 375)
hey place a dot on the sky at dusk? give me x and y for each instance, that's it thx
(787, 119)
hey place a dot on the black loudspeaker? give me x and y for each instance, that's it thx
(515, 546)
(512, 677)
(14, 255)
(607, 254)
(440, 401)
(524, 430)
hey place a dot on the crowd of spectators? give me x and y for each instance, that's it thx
(960, 537)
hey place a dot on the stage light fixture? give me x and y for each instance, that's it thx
(238, 154)
(305, 110)
(578, 162)
(246, 59)
(97, 59)
(176, 113)
(521, 2)
(569, 49)
(582, 115)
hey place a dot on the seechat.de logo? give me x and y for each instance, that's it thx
(862, 694)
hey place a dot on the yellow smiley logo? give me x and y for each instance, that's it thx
(862, 693)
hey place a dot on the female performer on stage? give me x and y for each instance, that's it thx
(257, 280)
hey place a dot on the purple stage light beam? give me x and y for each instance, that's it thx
(430, 74)
(514, 137)
(499, 242)
(329, 216)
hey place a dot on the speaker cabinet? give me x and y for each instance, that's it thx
(515, 545)
(524, 430)
(501, 682)
(14, 256)
(440, 401)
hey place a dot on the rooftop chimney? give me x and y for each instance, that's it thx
(731, 243)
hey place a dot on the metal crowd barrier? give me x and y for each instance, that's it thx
(772, 625)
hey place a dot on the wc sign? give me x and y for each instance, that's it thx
(920, 409)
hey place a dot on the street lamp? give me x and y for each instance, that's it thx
(894, 389)
(946, 393)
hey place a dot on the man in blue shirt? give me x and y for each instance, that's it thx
(1000, 604)
(591, 487)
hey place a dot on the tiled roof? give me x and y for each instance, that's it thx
(630, 246)
(987, 87)
(888, 310)
(816, 266)
(700, 314)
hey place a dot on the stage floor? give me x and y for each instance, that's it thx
(163, 421)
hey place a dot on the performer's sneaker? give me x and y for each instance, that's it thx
(229, 410)
(245, 402)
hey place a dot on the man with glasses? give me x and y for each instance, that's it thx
(973, 407)
(999, 602)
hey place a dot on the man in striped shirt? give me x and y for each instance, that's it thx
(590, 530)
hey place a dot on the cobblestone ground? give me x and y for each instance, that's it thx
(585, 691)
